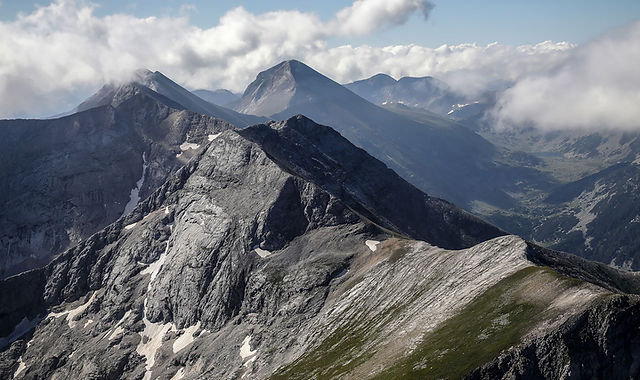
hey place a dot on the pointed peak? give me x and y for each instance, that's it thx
(291, 68)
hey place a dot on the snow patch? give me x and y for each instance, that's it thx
(87, 323)
(71, 314)
(118, 329)
(187, 145)
(372, 244)
(154, 268)
(261, 252)
(186, 338)
(151, 340)
(21, 367)
(245, 350)
(134, 196)
(214, 136)
(179, 375)
(130, 226)
(166, 210)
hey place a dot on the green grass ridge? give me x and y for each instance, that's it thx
(493, 322)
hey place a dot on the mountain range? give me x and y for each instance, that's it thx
(153, 234)
(438, 156)
(255, 260)
(427, 92)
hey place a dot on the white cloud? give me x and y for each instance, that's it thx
(596, 86)
(467, 68)
(50, 56)
(365, 16)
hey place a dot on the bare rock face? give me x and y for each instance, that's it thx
(79, 173)
(269, 255)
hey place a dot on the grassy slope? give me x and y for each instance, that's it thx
(494, 321)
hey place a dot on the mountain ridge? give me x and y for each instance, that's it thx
(172, 94)
(209, 276)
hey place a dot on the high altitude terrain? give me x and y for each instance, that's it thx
(591, 208)
(64, 179)
(437, 155)
(281, 251)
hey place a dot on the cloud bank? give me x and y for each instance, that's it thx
(50, 56)
(597, 86)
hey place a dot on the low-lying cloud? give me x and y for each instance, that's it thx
(596, 86)
(50, 56)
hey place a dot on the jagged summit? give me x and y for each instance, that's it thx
(164, 90)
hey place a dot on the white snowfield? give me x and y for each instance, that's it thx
(261, 252)
(153, 334)
(134, 196)
(186, 338)
(130, 226)
(372, 244)
(214, 136)
(187, 145)
(71, 314)
(247, 355)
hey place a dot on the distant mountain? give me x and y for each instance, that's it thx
(220, 96)
(62, 180)
(282, 251)
(592, 211)
(160, 84)
(597, 217)
(440, 157)
(425, 92)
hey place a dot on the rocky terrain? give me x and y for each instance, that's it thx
(436, 155)
(588, 206)
(281, 251)
(62, 180)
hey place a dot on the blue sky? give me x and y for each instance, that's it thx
(451, 22)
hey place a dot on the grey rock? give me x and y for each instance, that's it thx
(64, 179)
(253, 257)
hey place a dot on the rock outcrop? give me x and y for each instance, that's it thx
(62, 180)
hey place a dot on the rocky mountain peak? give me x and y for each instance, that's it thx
(162, 89)
(288, 83)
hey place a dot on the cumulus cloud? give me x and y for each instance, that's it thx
(365, 16)
(50, 56)
(596, 86)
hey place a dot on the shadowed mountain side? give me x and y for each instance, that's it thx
(443, 159)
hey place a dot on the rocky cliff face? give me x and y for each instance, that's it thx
(254, 261)
(62, 180)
